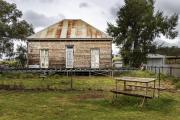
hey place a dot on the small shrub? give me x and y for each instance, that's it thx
(19, 75)
(125, 102)
(177, 85)
(11, 63)
(9, 75)
(65, 82)
(29, 75)
(163, 76)
(138, 73)
(56, 76)
(175, 80)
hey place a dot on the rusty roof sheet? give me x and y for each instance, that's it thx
(70, 28)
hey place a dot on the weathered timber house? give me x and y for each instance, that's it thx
(70, 44)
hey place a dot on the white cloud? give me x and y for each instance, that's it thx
(41, 20)
(97, 12)
(83, 5)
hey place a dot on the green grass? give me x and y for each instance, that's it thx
(175, 81)
(90, 99)
(58, 82)
(138, 73)
(89, 105)
(32, 81)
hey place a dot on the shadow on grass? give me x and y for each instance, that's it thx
(162, 104)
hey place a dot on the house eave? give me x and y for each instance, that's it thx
(69, 39)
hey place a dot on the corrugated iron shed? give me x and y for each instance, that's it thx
(70, 28)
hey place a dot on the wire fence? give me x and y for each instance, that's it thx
(167, 70)
(58, 79)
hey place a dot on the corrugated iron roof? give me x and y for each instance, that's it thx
(155, 56)
(70, 28)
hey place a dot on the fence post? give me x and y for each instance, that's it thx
(159, 78)
(112, 75)
(89, 73)
(71, 80)
(67, 73)
(170, 71)
(155, 69)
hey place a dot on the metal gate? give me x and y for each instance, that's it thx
(69, 57)
(44, 60)
(94, 58)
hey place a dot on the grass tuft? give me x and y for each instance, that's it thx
(177, 85)
(138, 73)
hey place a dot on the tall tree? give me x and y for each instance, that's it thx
(21, 55)
(12, 27)
(137, 25)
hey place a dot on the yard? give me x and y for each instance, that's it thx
(90, 99)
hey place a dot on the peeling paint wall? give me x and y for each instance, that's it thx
(82, 53)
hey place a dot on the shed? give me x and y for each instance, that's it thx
(70, 43)
(117, 61)
(155, 60)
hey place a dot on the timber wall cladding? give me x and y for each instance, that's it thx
(82, 53)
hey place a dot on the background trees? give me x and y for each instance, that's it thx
(21, 56)
(169, 51)
(137, 25)
(12, 27)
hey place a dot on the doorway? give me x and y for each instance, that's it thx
(69, 57)
(44, 58)
(95, 58)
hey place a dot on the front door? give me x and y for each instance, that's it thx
(69, 57)
(44, 60)
(94, 58)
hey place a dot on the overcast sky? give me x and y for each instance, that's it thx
(42, 13)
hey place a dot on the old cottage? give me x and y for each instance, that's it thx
(70, 44)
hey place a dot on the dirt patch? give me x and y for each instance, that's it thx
(168, 85)
(90, 95)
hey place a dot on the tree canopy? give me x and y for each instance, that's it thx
(169, 51)
(12, 27)
(137, 25)
(21, 55)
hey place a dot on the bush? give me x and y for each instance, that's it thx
(19, 75)
(175, 80)
(177, 85)
(56, 76)
(138, 73)
(11, 63)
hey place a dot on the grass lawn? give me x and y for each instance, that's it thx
(89, 101)
(86, 105)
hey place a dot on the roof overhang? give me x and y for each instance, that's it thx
(69, 39)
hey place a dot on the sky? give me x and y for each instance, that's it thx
(42, 13)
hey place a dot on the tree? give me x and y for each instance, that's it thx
(21, 55)
(137, 25)
(12, 27)
(169, 51)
